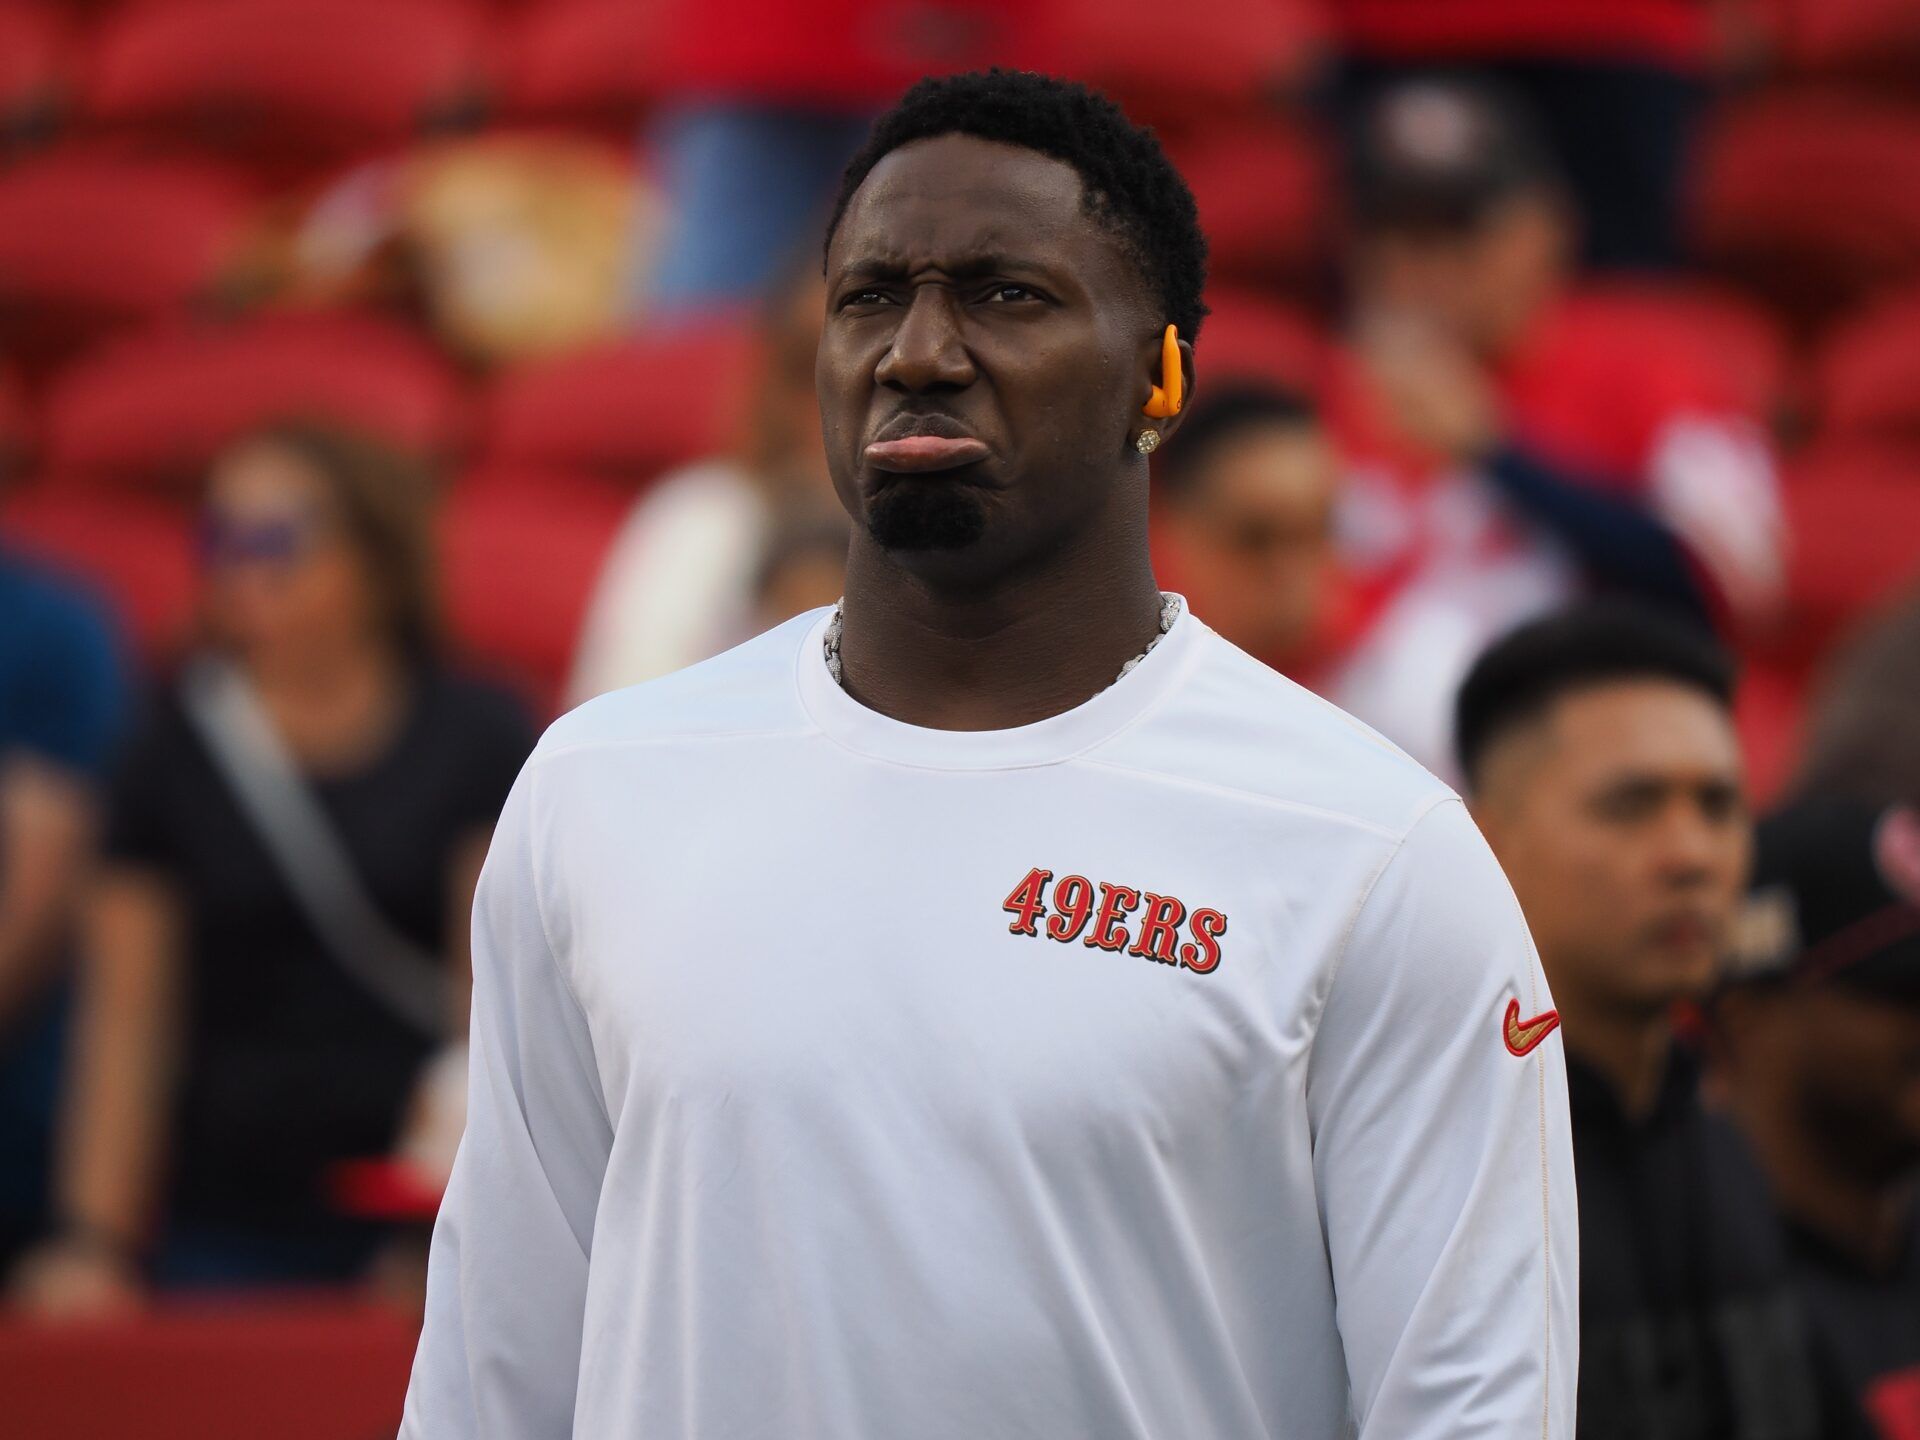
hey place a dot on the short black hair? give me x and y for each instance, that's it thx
(1519, 677)
(1130, 185)
(1218, 415)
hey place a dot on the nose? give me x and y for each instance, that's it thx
(1694, 847)
(928, 351)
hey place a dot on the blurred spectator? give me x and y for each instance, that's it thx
(1244, 523)
(678, 583)
(764, 102)
(1618, 86)
(1817, 1038)
(804, 567)
(1864, 735)
(1599, 750)
(512, 245)
(276, 942)
(60, 705)
(1507, 447)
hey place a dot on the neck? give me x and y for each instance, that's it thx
(1629, 1048)
(333, 704)
(1000, 655)
(1866, 1218)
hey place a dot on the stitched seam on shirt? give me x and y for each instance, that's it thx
(933, 767)
(621, 742)
(1353, 920)
(1175, 681)
(1546, 1202)
(553, 955)
(1546, 1256)
(1234, 792)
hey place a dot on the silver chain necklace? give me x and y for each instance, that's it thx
(1169, 612)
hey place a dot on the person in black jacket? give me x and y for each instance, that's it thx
(1817, 1041)
(233, 1042)
(1603, 768)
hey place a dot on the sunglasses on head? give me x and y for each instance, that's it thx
(259, 540)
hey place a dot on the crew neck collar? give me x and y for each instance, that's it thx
(1045, 742)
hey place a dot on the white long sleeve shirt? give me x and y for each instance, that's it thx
(1141, 1074)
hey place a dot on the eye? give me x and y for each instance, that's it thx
(1010, 293)
(868, 296)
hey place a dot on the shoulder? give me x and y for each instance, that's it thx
(72, 622)
(748, 690)
(1256, 738)
(476, 704)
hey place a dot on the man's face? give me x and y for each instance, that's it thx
(1254, 532)
(1483, 286)
(1619, 818)
(986, 353)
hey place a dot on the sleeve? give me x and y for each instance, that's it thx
(1712, 482)
(499, 1352)
(72, 711)
(1620, 542)
(139, 829)
(1442, 1156)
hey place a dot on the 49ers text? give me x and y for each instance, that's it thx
(1097, 915)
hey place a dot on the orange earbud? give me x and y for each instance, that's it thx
(1166, 401)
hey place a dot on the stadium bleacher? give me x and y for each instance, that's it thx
(147, 142)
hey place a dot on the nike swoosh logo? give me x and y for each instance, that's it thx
(1523, 1035)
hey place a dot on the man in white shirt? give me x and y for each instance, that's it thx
(900, 1026)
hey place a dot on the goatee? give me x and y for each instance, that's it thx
(926, 515)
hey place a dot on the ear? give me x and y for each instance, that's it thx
(1171, 390)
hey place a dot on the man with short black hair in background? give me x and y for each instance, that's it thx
(1243, 512)
(1817, 1043)
(1602, 767)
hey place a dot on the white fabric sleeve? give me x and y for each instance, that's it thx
(1443, 1160)
(1713, 481)
(499, 1354)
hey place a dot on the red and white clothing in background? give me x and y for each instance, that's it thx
(1444, 559)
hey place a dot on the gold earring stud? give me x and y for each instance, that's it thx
(1148, 441)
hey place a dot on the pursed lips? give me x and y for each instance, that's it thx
(922, 444)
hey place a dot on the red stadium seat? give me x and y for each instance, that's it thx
(1857, 37)
(89, 241)
(1814, 197)
(1262, 192)
(520, 553)
(286, 82)
(1723, 333)
(295, 1365)
(16, 425)
(1251, 337)
(1769, 713)
(630, 408)
(136, 549)
(582, 61)
(1869, 372)
(35, 56)
(1854, 514)
(155, 408)
(1222, 60)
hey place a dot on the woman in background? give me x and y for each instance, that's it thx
(234, 1040)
